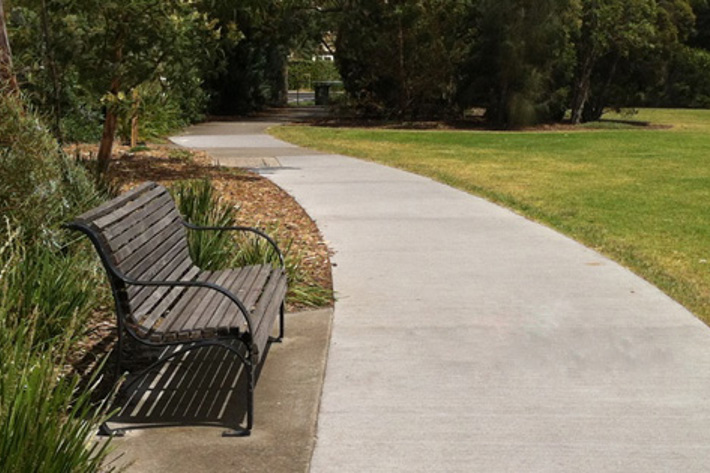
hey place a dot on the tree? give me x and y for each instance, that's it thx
(609, 28)
(521, 60)
(8, 81)
(253, 71)
(125, 44)
(399, 58)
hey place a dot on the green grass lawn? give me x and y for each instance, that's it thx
(641, 196)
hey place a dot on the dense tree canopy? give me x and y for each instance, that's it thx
(94, 64)
(524, 61)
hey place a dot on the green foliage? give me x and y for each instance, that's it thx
(399, 58)
(46, 422)
(89, 52)
(302, 74)
(689, 82)
(158, 113)
(199, 204)
(41, 188)
(260, 35)
(622, 49)
(39, 185)
(47, 291)
(58, 289)
(522, 65)
(524, 61)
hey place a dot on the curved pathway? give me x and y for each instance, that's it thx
(467, 338)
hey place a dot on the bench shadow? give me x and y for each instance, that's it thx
(203, 387)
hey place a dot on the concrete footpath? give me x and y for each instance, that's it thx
(469, 339)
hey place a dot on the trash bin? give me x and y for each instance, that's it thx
(322, 90)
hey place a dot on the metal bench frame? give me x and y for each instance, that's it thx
(120, 281)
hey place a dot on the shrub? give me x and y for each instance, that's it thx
(39, 185)
(199, 205)
(47, 291)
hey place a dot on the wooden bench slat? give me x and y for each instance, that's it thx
(125, 230)
(269, 314)
(116, 202)
(193, 316)
(222, 304)
(259, 310)
(150, 296)
(128, 208)
(227, 309)
(139, 261)
(250, 294)
(171, 296)
(142, 244)
(185, 305)
(241, 289)
(275, 279)
(162, 270)
(189, 299)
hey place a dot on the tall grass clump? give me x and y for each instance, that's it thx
(46, 422)
(199, 204)
(47, 293)
(52, 289)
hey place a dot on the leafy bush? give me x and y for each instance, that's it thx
(47, 291)
(39, 185)
(689, 81)
(45, 425)
(157, 111)
(199, 205)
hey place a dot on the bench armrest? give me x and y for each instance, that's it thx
(202, 284)
(118, 274)
(256, 231)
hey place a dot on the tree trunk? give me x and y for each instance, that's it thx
(595, 106)
(134, 118)
(7, 75)
(110, 123)
(401, 70)
(111, 120)
(582, 86)
(104, 155)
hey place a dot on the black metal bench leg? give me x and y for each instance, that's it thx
(250, 406)
(106, 431)
(282, 318)
(118, 358)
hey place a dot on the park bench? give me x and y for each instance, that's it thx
(163, 299)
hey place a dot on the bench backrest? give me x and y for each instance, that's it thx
(141, 234)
